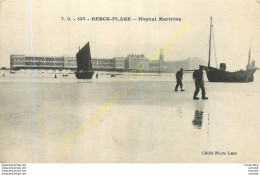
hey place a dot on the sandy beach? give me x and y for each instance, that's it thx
(148, 123)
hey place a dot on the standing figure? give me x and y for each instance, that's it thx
(179, 76)
(199, 83)
(253, 63)
(96, 76)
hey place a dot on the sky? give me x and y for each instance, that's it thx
(35, 28)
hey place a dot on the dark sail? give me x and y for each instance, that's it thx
(84, 64)
(84, 58)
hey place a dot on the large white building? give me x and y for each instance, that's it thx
(64, 62)
(132, 62)
(22, 61)
(129, 63)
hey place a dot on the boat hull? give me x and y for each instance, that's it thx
(84, 75)
(242, 76)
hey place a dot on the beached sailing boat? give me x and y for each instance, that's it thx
(221, 75)
(84, 64)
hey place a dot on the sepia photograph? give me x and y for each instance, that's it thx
(129, 81)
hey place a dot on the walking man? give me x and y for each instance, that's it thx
(179, 76)
(199, 83)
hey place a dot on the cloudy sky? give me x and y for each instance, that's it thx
(35, 28)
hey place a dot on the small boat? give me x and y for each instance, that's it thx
(12, 72)
(65, 75)
(221, 75)
(113, 75)
(84, 64)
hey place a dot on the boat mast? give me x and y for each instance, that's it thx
(210, 40)
(190, 63)
(249, 54)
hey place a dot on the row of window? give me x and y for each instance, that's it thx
(42, 59)
(103, 61)
(138, 60)
(62, 59)
(41, 64)
(69, 60)
(18, 59)
(62, 64)
(17, 63)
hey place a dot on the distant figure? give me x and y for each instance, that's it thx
(253, 64)
(199, 83)
(55, 76)
(96, 76)
(3, 74)
(179, 76)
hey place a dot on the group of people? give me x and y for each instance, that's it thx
(199, 83)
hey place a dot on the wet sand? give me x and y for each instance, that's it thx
(149, 123)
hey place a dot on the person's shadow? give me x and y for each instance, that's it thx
(198, 116)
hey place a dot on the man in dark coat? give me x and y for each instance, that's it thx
(179, 76)
(199, 83)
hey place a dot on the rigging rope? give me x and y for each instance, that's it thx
(214, 48)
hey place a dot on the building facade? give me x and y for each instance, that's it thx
(64, 62)
(103, 64)
(127, 64)
(134, 60)
(158, 65)
(154, 67)
(23, 62)
(17, 61)
(186, 64)
(70, 63)
(119, 63)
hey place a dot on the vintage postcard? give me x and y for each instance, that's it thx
(129, 81)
